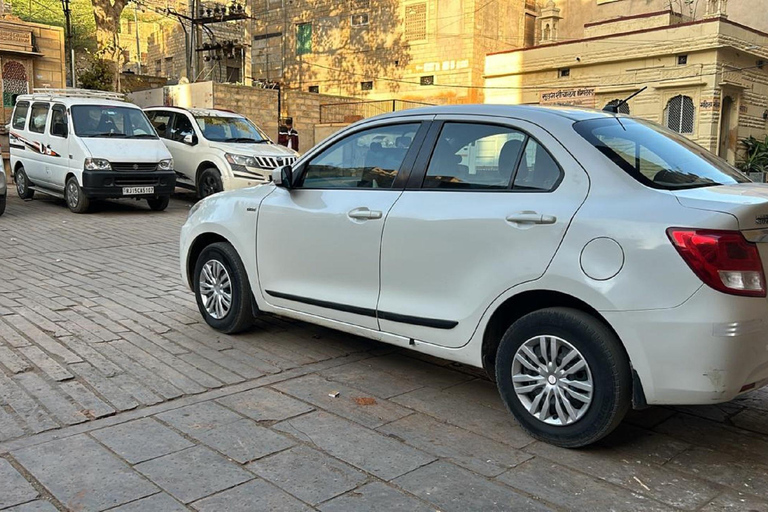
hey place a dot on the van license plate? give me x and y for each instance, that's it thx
(129, 191)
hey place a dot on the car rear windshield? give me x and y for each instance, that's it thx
(655, 156)
(109, 121)
(230, 129)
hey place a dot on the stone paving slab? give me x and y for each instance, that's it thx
(114, 395)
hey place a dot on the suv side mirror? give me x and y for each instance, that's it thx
(59, 129)
(190, 139)
(283, 177)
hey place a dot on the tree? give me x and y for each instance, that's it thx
(98, 76)
(107, 13)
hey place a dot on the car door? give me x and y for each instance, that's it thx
(484, 211)
(186, 156)
(57, 147)
(36, 142)
(318, 244)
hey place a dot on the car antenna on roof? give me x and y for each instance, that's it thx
(614, 108)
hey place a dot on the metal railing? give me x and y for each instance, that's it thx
(38, 93)
(354, 111)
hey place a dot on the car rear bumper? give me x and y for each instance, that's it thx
(708, 350)
(110, 184)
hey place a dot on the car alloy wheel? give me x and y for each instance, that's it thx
(216, 289)
(552, 380)
(21, 184)
(73, 194)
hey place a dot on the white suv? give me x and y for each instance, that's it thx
(588, 261)
(217, 150)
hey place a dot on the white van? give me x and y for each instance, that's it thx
(81, 145)
(217, 150)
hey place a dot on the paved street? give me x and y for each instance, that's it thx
(114, 396)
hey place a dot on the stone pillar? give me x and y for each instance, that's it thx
(550, 17)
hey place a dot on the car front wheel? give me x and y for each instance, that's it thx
(22, 184)
(76, 199)
(158, 204)
(564, 375)
(222, 290)
(209, 183)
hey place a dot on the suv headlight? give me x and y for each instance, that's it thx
(97, 164)
(165, 165)
(247, 161)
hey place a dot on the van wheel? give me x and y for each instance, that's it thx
(2, 204)
(22, 184)
(564, 375)
(209, 182)
(159, 204)
(76, 199)
(222, 290)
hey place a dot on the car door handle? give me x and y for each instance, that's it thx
(531, 218)
(364, 214)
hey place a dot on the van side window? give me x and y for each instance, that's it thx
(59, 121)
(20, 115)
(38, 117)
(161, 120)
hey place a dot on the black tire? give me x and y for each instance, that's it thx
(22, 184)
(159, 204)
(606, 359)
(2, 203)
(239, 316)
(76, 199)
(209, 182)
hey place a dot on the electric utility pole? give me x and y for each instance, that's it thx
(138, 44)
(68, 18)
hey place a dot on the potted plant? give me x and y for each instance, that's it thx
(755, 163)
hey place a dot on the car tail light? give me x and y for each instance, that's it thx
(724, 260)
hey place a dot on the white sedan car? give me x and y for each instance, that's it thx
(590, 262)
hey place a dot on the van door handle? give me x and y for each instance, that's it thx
(531, 218)
(364, 214)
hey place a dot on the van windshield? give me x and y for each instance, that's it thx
(109, 121)
(655, 156)
(230, 129)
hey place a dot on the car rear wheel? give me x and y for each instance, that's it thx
(22, 184)
(209, 182)
(75, 197)
(222, 290)
(564, 375)
(159, 204)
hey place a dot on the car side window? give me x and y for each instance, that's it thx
(38, 117)
(474, 156)
(182, 127)
(161, 120)
(537, 171)
(58, 121)
(367, 159)
(20, 115)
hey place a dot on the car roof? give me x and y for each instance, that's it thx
(73, 100)
(531, 113)
(207, 112)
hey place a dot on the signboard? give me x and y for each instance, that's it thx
(15, 38)
(569, 97)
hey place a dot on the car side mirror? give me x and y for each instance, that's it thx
(283, 177)
(190, 139)
(59, 129)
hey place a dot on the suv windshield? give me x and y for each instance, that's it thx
(109, 121)
(655, 156)
(230, 129)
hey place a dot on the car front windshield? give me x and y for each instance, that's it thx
(111, 121)
(655, 156)
(230, 129)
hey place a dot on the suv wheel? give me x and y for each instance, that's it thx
(159, 204)
(564, 375)
(222, 290)
(209, 182)
(22, 184)
(76, 199)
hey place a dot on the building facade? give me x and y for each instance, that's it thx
(706, 78)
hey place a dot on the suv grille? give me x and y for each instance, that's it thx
(128, 167)
(271, 162)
